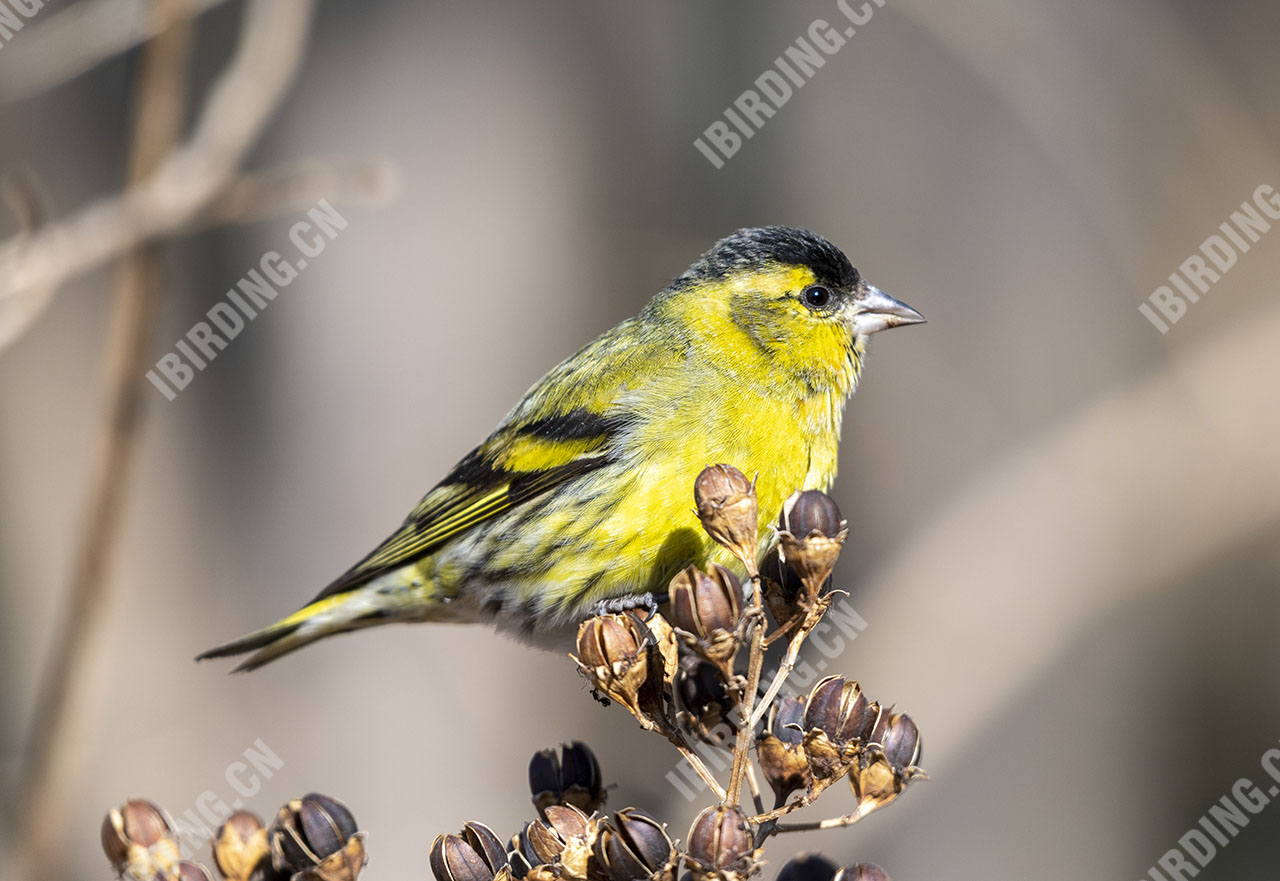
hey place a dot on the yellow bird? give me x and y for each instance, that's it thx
(580, 500)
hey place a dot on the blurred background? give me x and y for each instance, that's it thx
(1063, 522)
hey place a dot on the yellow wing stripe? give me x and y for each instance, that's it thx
(410, 541)
(530, 453)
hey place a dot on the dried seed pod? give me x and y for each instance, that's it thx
(565, 838)
(839, 709)
(788, 720)
(813, 512)
(701, 687)
(782, 589)
(720, 844)
(726, 505)
(634, 848)
(189, 871)
(544, 778)
(808, 867)
(704, 602)
(315, 837)
(474, 854)
(138, 839)
(519, 864)
(781, 753)
(572, 777)
(884, 770)
(839, 722)
(901, 741)
(539, 844)
(342, 865)
(811, 535)
(612, 653)
(862, 872)
(822, 707)
(240, 846)
(581, 783)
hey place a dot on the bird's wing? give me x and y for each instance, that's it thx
(506, 471)
(565, 427)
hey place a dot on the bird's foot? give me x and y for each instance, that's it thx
(630, 603)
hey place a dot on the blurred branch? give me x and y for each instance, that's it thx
(167, 188)
(23, 195)
(296, 187)
(272, 39)
(64, 45)
(159, 103)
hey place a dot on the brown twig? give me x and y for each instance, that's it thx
(819, 787)
(62, 45)
(830, 823)
(811, 618)
(241, 102)
(741, 747)
(296, 186)
(754, 786)
(159, 103)
(695, 762)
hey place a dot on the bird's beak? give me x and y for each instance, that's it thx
(876, 310)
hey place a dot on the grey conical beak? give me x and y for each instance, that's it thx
(878, 311)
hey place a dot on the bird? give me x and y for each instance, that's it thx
(579, 501)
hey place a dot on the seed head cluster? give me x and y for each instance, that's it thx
(693, 674)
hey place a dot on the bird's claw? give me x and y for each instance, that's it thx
(629, 603)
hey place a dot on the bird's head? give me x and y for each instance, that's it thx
(790, 296)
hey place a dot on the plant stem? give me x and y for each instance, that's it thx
(695, 762)
(742, 745)
(784, 670)
(829, 823)
(819, 787)
(811, 618)
(754, 786)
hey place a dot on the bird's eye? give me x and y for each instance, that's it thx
(816, 296)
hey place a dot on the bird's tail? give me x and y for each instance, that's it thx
(339, 613)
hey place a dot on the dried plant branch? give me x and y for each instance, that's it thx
(695, 762)
(675, 672)
(810, 620)
(159, 103)
(296, 186)
(754, 786)
(829, 823)
(755, 661)
(272, 39)
(75, 40)
(819, 787)
(23, 196)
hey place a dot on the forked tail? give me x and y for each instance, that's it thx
(340, 613)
